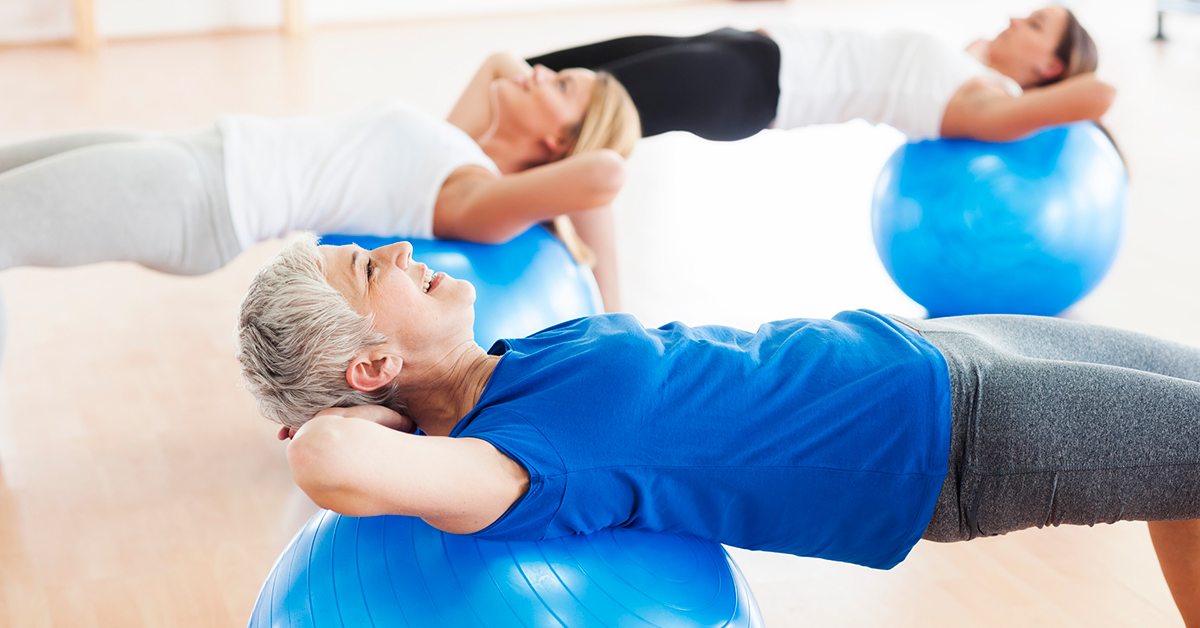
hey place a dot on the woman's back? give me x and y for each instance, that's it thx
(805, 437)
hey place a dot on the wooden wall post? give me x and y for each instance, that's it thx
(85, 25)
(295, 22)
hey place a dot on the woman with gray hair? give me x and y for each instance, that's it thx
(847, 439)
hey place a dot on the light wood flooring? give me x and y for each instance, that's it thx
(139, 488)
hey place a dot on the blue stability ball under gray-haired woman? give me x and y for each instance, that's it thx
(399, 571)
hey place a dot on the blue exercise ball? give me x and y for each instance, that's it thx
(1024, 227)
(522, 286)
(400, 572)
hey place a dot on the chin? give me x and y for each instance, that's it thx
(466, 288)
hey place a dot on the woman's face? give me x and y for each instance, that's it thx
(544, 103)
(1027, 46)
(411, 303)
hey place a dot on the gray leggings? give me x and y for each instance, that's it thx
(96, 196)
(157, 199)
(1055, 421)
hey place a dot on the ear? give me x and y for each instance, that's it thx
(1051, 69)
(373, 369)
(555, 145)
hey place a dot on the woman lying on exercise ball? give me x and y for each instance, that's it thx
(522, 145)
(729, 84)
(847, 439)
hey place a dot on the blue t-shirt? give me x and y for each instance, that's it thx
(824, 438)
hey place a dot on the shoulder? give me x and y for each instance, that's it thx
(982, 87)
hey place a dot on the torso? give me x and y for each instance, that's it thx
(803, 437)
(901, 79)
(375, 171)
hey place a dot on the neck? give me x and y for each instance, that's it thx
(511, 153)
(447, 390)
(980, 49)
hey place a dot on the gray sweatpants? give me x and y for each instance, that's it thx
(1056, 421)
(157, 199)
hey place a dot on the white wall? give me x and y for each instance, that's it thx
(24, 21)
(30, 21)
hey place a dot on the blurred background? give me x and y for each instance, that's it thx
(138, 487)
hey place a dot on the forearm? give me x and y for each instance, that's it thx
(472, 112)
(980, 112)
(596, 228)
(493, 210)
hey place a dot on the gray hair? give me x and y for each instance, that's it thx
(296, 336)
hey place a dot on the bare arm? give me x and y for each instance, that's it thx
(362, 468)
(473, 111)
(595, 227)
(982, 110)
(476, 205)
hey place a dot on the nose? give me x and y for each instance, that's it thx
(400, 253)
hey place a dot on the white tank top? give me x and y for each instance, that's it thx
(377, 171)
(902, 79)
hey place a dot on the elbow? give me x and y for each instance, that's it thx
(1105, 96)
(319, 462)
(499, 59)
(606, 177)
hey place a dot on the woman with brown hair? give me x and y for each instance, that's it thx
(729, 84)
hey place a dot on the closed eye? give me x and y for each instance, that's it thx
(370, 269)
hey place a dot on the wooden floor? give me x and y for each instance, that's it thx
(139, 488)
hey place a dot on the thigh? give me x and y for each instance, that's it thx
(715, 89)
(1058, 339)
(1045, 441)
(1068, 442)
(20, 153)
(144, 202)
(722, 85)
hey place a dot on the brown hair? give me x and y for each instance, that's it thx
(1076, 50)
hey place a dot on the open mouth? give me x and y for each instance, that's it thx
(431, 280)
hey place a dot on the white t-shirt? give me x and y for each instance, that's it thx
(377, 171)
(902, 79)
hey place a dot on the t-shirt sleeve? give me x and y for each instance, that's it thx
(530, 516)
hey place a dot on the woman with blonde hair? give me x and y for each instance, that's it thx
(522, 145)
(730, 84)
